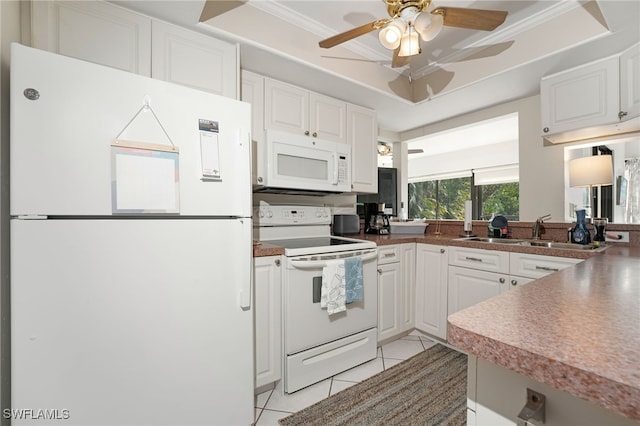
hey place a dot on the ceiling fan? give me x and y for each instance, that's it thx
(411, 20)
(386, 149)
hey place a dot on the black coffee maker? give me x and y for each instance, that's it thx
(376, 221)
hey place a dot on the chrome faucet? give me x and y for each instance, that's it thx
(538, 229)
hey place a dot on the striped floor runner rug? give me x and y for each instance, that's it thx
(428, 389)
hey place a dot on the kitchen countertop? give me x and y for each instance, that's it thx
(266, 249)
(577, 330)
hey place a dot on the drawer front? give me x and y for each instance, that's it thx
(485, 260)
(388, 254)
(537, 266)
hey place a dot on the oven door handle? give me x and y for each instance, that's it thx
(307, 263)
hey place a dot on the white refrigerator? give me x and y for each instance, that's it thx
(131, 249)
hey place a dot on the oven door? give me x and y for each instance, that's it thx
(306, 324)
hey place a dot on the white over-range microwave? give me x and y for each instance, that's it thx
(290, 163)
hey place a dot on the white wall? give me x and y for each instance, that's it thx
(541, 167)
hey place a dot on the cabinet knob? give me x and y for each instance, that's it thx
(315, 134)
(622, 114)
(277, 262)
(546, 130)
(514, 282)
(442, 250)
(379, 271)
(502, 280)
(306, 132)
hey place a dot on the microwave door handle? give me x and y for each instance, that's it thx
(335, 168)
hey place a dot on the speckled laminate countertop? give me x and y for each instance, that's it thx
(577, 330)
(266, 249)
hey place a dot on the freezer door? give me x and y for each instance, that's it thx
(132, 321)
(65, 113)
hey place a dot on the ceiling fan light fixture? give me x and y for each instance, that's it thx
(422, 22)
(391, 35)
(410, 44)
(431, 31)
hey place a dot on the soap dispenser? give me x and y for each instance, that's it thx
(580, 233)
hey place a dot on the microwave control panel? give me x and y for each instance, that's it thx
(343, 169)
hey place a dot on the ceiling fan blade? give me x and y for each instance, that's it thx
(352, 33)
(399, 61)
(213, 8)
(475, 19)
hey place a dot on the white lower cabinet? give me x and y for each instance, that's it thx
(476, 274)
(536, 265)
(431, 289)
(396, 289)
(470, 286)
(496, 395)
(267, 281)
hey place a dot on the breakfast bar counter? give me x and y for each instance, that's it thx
(577, 330)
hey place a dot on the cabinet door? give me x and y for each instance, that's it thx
(630, 83)
(327, 118)
(252, 91)
(286, 107)
(486, 260)
(470, 286)
(536, 265)
(431, 289)
(195, 60)
(390, 300)
(268, 338)
(582, 97)
(362, 132)
(93, 31)
(408, 276)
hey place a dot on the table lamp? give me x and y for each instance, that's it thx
(596, 170)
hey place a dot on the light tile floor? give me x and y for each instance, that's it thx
(274, 404)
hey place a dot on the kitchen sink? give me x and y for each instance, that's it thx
(492, 240)
(530, 243)
(553, 244)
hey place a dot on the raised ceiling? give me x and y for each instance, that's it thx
(460, 71)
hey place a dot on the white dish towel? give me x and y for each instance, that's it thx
(332, 294)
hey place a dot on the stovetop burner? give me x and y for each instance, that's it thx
(296, 243)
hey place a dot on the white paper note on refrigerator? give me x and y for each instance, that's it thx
(209, 150)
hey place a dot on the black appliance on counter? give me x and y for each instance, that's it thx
(376, 221)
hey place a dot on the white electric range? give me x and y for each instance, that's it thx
(318, 345)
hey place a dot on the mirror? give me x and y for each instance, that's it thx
(620, 200)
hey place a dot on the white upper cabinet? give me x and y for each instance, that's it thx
(630, 82)
(110, 35)
(252, 91)
(93, 31)
(581, 97)
(362, 131)
(597, 99)
(300, 111)
(192, 59)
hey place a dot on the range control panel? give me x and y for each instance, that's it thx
(291, 215)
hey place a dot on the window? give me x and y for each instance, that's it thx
(444, 199)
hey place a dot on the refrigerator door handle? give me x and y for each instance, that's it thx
(246, 278)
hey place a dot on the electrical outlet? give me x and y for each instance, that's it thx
(622, 236)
